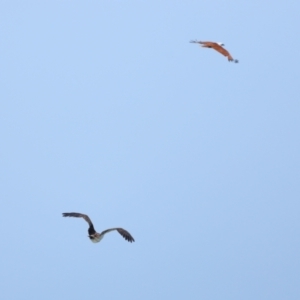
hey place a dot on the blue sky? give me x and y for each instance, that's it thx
(107, 109)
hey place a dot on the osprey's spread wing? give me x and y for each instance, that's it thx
(124, 233)
(91, 229)
(78, 215)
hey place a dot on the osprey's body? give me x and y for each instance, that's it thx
(96, 238)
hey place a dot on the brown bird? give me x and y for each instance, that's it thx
(96, 237)
(218, 47)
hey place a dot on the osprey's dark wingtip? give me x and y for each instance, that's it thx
(67, 214)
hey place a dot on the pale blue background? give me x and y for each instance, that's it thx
(107, 109)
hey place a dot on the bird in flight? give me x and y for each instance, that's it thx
(218, 47)
(96, 237)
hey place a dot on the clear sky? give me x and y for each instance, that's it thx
(107, 109)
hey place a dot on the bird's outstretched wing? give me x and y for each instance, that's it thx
(78, 215)
(207, 44)
(221, 50)
(124, 233)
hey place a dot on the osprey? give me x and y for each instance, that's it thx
(218, 47)
(96, 237)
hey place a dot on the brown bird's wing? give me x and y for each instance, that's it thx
(78, 215)
(208, 44)
(223, 51)
(220, 49)
(125, 234)
(205, 44)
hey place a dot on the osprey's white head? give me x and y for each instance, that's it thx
(221, 44)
